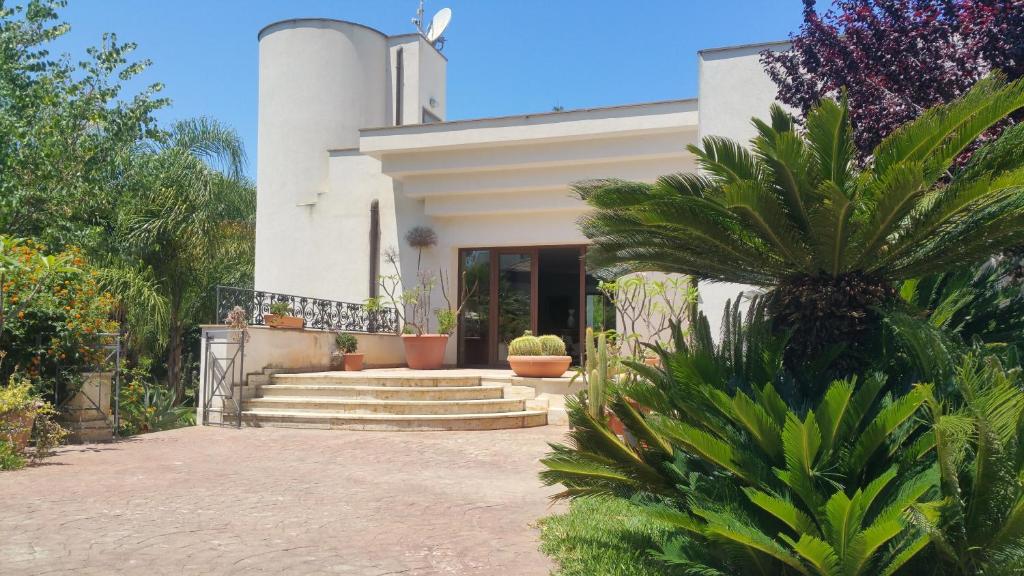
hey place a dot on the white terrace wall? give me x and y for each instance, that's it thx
(733, 89)
(284, 350)
(310, 350)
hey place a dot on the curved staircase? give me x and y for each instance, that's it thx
(388, 400)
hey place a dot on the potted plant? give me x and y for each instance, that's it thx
(280, 316)
(25, 416)
(350, 360)
(18, 407)
(424, 350)
(538, 357)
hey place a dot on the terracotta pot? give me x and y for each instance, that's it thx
(337, 361)
(614, 423)
(539, 366)
(425, 352)
(275, 321)
(17, 426)
(354, 361)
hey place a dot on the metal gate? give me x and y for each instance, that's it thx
(223, 376)
(105, 348)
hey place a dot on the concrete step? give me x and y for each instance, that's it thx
(418, 380)
(382, 392)
(422, 407)
(392, 422)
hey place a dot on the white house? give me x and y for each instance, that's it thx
(354, 151)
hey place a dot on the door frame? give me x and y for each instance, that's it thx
(492, 328)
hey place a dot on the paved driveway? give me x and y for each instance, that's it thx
(279, 501)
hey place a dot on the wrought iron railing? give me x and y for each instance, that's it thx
(318, 313)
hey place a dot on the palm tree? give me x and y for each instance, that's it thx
(796, 215)
(187, 227)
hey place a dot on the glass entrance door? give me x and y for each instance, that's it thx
(515, 289)
(474, 324)
(507, 291)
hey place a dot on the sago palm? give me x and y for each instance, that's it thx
(795, 214)
(753, 486)
(977, 442)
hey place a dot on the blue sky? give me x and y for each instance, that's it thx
(507, 57)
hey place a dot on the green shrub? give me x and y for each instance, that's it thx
(603, 537)
(146, 406)
(280, 309)
(446, 320)
(51, 310)
(17, 399)
(346, 343)
(16, 396)
(9, 458)
(743, 477)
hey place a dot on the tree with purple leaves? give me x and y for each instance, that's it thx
(896, 58)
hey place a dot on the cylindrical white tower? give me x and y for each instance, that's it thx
(320, 81)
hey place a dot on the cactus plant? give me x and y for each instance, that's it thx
(552, 345)
(525, 345)
(600, 368)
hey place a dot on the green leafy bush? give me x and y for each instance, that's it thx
(446, 320)
(147, 406)
(756, 478)
(51, 311)
(280, 308)
(346, 343)
(10, 459)
(25, 415)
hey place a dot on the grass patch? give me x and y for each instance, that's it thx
(602, 536)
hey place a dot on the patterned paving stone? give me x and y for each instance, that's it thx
(282, 501)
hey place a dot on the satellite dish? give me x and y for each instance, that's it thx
(438, 24)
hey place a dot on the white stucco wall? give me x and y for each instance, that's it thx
(733, 89)
(424, 78)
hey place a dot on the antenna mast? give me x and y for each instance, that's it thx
(418, 20)
(438, 24)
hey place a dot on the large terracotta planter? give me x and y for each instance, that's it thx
(424, 352)
(354, 361)
(17, 427)
(539, 366)
(275, 321)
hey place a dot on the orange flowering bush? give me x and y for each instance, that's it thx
(52, 313)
